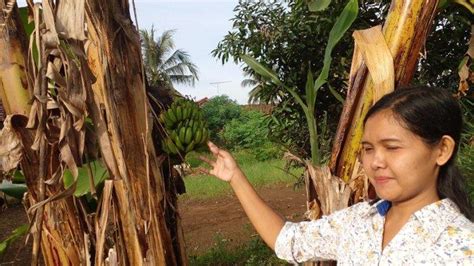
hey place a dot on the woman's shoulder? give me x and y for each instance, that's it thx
(357, 210)
(462, 225)
(459, 235)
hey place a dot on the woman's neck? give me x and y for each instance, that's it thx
(407, 207)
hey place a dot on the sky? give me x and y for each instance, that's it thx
(199, 25)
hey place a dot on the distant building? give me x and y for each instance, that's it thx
(264, 108)
(202, 101)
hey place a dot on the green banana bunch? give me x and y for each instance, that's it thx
(185, 127)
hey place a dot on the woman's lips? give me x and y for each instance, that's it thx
(382, 179)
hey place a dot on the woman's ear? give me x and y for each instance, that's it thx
(446, 148)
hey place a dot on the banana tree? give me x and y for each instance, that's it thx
(87, 83)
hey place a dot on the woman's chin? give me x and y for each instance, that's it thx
(386, 195)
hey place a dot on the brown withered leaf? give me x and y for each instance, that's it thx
(376, 54)
(11, 149)
(50, 38)
(70, 19)
(465, 74)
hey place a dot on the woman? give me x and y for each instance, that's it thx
(424, 216)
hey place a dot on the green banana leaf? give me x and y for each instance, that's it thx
(18, 177)
(17, 233)
(261, 69)
(343, 23)
(13, 190)
(83, 186)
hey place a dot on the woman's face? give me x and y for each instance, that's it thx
(398, 163)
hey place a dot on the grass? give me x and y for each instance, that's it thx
(259, 173)
(255, 252)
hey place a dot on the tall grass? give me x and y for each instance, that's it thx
(259, 173)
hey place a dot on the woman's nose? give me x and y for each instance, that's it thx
(378, 161)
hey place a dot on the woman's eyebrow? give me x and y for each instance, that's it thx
(390, 140)
(366, 142)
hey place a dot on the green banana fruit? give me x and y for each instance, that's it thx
(190, 146)
(179, 113)
(178, 144)
(182, 134)
(172, 116)
(198, 136)
(172, 147)
(185, 127)
(188, 135)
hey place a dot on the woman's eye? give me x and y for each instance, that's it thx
(392, 148)
(367, 149)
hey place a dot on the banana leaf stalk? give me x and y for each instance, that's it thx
(405, 31)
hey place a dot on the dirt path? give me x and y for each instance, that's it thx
(204, 221)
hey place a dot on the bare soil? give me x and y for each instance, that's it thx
(205, 222)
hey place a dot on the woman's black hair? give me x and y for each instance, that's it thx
(432, 113)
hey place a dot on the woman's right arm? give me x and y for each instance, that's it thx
(266, 221)
(297, 242)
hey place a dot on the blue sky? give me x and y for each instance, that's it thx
(199, 25)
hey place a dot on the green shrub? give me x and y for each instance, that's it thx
(246, 131)
(250, 132)
(466, 148)
(218, 111)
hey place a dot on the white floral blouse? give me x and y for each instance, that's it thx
(438, 234)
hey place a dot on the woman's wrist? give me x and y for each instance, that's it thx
(236, 177)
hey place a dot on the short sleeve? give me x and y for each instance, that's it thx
(314, 240)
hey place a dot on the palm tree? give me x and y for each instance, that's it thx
(163, 66)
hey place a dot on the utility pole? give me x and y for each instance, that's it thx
(217, 83)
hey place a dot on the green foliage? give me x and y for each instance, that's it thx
(445, 47)
(218, 111)
(466, 149)
(16, 234)
(83, 185)
(287, 38)
(250, 132)
(255, 252)
(13, 190)
(342, 24)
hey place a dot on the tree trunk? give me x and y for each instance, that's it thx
(120, 107)
(98, 74)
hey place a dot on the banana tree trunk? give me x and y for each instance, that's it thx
(98, 74)
(405, 31)
(61, 243)
(119, 110)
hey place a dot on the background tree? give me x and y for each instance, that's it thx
(289, 39)
(164, 66)
(218, 111)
